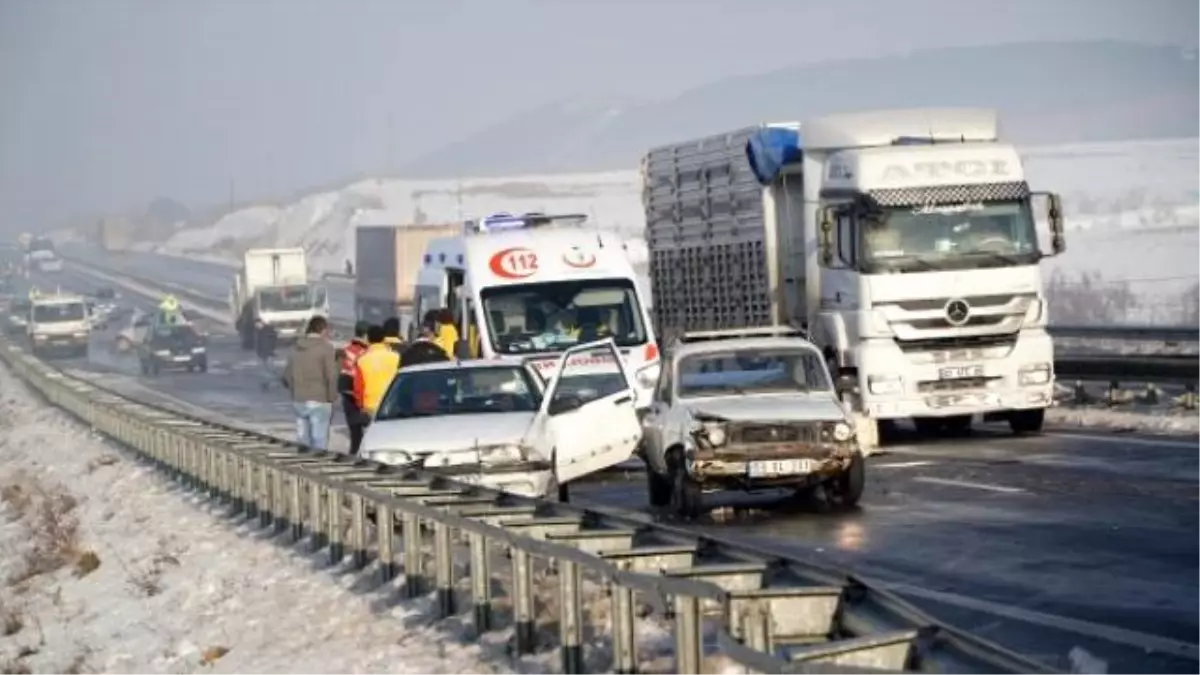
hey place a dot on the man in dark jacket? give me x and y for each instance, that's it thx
(422, 350)
(265, 339)
(356, 421)
(311, 376)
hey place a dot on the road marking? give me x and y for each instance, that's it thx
(1123, 636)
(902, 465)
(967, 484)
(1117, 438)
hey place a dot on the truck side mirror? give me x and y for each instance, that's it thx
(1054, 218)
(826, 241)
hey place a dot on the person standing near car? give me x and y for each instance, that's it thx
(355, 420)
(311, 375)
(265, 339)
(374, 371)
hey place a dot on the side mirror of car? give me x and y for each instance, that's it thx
(565, 403)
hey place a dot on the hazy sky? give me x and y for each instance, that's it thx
(109, 103)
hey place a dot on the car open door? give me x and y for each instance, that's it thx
(589, 411)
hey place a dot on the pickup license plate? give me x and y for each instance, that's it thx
(781, 467)
(960, 372)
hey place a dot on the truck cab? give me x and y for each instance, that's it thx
(532, 286)
(58, 324)
(272, 288)
(902, 241)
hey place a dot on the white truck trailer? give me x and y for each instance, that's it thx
(904, 242)
(272, 287)
(387, 259)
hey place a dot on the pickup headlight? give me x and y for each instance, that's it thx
(198, 350)
(883, 385)
(1034, 374)
(715, 431)
(841, 432)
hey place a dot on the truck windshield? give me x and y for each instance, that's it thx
(73, 311)
(949, 236)
(285, 299)
(555, 315)
(752, 371)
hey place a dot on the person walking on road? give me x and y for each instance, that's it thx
(265, 339)
(373, 371)
(355, 420)
(423, 350)
(311, 375)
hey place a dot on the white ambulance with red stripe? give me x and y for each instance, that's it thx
(532, 286)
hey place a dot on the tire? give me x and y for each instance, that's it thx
(658, 488)
(686, 498)
(846, 489)
(1026, 422)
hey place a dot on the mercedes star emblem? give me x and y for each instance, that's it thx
(957, 312)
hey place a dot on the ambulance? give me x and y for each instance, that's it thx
(531, 286)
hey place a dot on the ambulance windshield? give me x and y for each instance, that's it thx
(552, 316)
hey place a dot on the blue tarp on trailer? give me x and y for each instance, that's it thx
(770, 150)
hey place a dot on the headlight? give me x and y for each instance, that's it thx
(1033, 374)
(162, 352)
(884, 384)
(715, 432)
(841, 432)
(647, 377)
(81, 335)
(198, 350)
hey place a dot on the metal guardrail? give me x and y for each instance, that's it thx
(1130, 332)
(768, 614)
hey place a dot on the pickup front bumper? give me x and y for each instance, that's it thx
(769, 455)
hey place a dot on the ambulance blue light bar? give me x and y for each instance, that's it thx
(499, 222)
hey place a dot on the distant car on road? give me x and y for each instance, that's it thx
(173, 347)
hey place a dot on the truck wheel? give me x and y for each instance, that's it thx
(1024, 422)
(845, 489)
(686, 497)
(658, 487)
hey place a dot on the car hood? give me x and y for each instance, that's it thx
(773, 407)
(447, 433)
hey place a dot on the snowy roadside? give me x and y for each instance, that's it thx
(106, 566)
(1167, 422)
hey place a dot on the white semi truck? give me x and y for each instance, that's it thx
(904, 242)
(532, 286)
(272, 287)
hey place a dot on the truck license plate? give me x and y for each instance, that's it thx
(960, 372)
(781, 467)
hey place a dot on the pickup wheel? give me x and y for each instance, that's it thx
(845, 489)
(658, 487)
(685, 493)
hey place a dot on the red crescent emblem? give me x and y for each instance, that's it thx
(578, 259)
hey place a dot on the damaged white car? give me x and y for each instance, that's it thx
(498, 424)
(737, 411)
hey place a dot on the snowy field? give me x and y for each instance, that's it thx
(107, 567)
(1131, 209)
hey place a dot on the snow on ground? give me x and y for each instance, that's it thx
(1170, 422)
(105, 566)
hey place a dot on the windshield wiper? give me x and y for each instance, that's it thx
(1002, 257)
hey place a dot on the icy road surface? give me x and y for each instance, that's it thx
(178, 587)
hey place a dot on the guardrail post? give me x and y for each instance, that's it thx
(624, 626)
(481, 583)
(225, 479)
(526, 636)
(687, 635)
(316, 514)
(266, 496)
(334, 532)
(237, 482)
(249, 498)
(279, 504)
(358, 532)
(295, 513)
(1114, 388)
(756, 626)
(1189, 396)
(443, 565)
(385, 524)
(414, 574)
(570, 624)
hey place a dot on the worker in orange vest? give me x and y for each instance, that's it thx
(355, 419)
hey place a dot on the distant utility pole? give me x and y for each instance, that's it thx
(231, 195)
